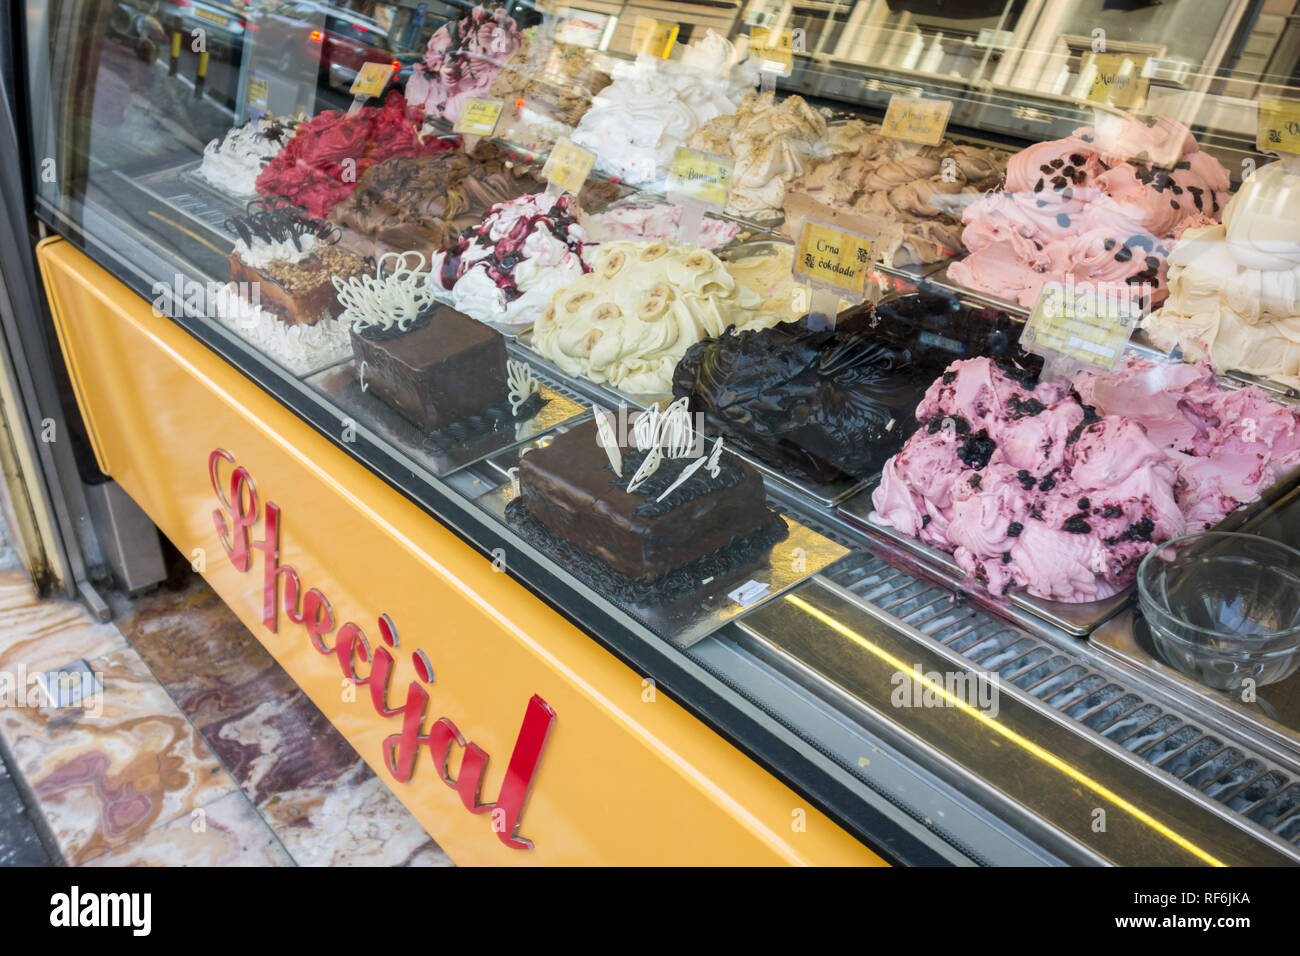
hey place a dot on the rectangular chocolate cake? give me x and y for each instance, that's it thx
(571, 489)
(445, 368)
(299, 293)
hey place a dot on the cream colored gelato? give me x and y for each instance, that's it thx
(631, 319)
(772, 143)
(1234, 289)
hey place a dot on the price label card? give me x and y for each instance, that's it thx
(372, 79)
(654, 38)
(705, 177)
(833, 257)
(257, 92)
(1085, 324)
(916, 120)
(479, 117)
(1118, 80)
(774, 49)
(1279, 126)
(568, 165)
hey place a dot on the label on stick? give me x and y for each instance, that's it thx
(654, 38)
(916, 120)
(1084, 324)
(479, 117)
(372, 79)
(773, 49)
(568, 166)
(834, 257)
(1279, 126)
(702, 176)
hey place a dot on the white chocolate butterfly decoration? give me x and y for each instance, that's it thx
(385, 301)
(522, 383)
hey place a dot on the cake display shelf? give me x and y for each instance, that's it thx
(462, 443)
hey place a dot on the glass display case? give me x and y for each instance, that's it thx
(752, 402)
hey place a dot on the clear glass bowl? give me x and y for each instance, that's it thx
(1224, 608)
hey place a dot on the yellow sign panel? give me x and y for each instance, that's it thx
(702, 176)
(654, 38)
(1087, 323)
(479, 117)
(372, 79)
(568, 165)
(834, 257)
(774, 47)
(1118, 80)
(1279, 126)
(916, 120)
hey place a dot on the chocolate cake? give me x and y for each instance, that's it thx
(443, 368)
(830, 405)
(290, 260)
(640, 548)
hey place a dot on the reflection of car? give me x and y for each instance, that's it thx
(340, 41)
(224, 25)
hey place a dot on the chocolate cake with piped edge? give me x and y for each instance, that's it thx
(644, 534)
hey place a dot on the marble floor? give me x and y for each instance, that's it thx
(188, 744)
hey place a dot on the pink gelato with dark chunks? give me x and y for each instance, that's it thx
(1029, 487)
(1101, 205)
(1228, 446)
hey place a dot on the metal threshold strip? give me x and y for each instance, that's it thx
(1006, 741)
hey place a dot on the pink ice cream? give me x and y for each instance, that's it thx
(1028, 487)
(1227, 446)
(461, 61)
(1103, 205)
(654, 221)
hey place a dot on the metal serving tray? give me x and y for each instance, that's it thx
(686, 622)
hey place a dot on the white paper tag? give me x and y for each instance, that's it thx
(749, 592)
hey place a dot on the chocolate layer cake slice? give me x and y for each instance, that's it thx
(285, 262)
(444, 368)
(708, 524)
(302, 292)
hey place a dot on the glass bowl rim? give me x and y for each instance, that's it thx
(1145, 598)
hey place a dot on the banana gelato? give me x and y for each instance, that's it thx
(631, 319)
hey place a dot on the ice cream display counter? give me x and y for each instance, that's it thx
(750, 419)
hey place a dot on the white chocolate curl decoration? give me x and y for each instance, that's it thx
(608, 440)
(521, 384)
(397, 299)
(669, 434)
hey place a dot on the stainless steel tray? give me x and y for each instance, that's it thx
(340, 384)
(688, 621)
